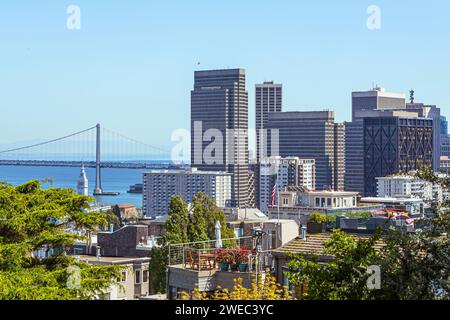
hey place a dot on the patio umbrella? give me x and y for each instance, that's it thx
(218, 235)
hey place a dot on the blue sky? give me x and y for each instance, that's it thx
(130, 67)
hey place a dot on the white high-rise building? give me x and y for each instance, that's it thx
(160, 185)
(83, 183)
(284, 172)
(408, 187)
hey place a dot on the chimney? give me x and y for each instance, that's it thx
(303, 232)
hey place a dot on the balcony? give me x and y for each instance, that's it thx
(207, 267)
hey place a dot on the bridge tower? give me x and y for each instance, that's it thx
(98, 179)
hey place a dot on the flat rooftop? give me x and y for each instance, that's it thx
(110, 260)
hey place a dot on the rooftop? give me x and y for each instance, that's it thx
(110, 260)
(315, 245)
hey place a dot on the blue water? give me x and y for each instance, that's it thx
(113, 180)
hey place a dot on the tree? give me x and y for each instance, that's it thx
(413, 265)
(198, 227)
(33, 219)
(177, 222)
(343, 278)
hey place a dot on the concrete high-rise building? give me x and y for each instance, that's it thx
(82, 183)
(406, 186)
(312, 135)
(364, 103)
(160, 186)
(431, 112)
(376, 99)
(268, 98)
(219, 127)
(444, 126)
(398, 143)
(283, 172)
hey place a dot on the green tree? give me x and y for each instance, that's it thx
(198, 227)
(343, 278)
(413, 265)
(177, 222)
(33, 219)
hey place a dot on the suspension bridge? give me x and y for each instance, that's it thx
(94, 147)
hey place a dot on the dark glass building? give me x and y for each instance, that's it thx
(395, 145)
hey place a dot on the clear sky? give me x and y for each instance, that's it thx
(130, 66)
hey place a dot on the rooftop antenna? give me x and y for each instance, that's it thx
(411, 96)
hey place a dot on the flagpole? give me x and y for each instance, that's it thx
(278, 200)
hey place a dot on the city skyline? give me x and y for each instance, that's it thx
(132, 65)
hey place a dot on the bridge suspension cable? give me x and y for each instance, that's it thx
(46, 142)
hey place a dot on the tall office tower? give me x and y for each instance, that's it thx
(268, 98)
(393, 144)
(431, 112)
(160, 185)
(339, 157)
(219, 127)
(445, 146)
(364, 102)
(376, 99)
(444, 126)
(283, 172)
(311, 135)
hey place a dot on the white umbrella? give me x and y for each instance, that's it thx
(218, 235)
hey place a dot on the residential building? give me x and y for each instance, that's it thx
(219, 127)
(398, 143)
(268, 98)
(312, 245)
(405, 186)
(298, 203)
(414, 206)
(312, 135)
(134, 282)
(283, 172)
(160, 185)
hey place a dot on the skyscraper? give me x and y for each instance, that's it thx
(363, 104)
(312, 135)
(268, 98)
(219, 127)
(444, 126)
(398, 143)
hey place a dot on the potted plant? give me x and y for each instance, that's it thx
(316, 222)
(223, 257)
(234, 260)
(242, 258)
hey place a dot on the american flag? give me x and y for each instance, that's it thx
(274, 191)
